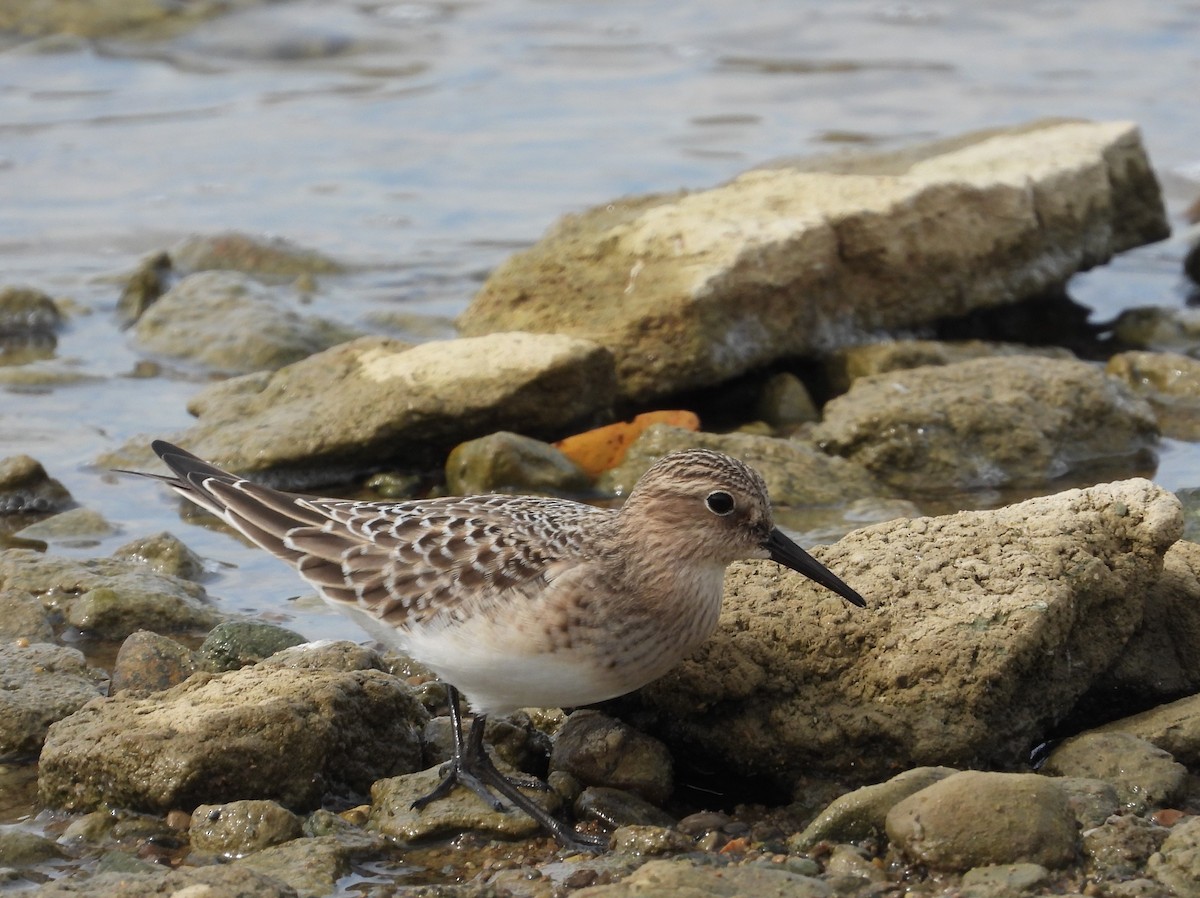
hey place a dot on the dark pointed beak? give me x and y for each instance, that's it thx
(784, 551)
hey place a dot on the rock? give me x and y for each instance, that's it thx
(241, 827)
(163, 553)
(643, 840)
(23, 618)
(861, 814)
(234, 881)
(373, 400)
(1161, 328)
(1144, 776)
(973, 819)
(271, 258)
(73, 526)
(25, 311)
(282, 733)
(235, 644)
(982, 629)
(986, 423)
(392, 813)
(1092, 801)
(1191, 263)
(509, 462)
(103, 18)
(1174, 727)
(26, 488)
(108, 597)
(508, 742)
(149, 281)
(802, 259)
(847, 365)
(599, 750)
(148, 662)
(688, 879)
(1162, 658)
(785, 402)
(616, 807)
(19, 848)
(1171, 383)
(1119, 847)
(796, 473)
(314, 866)
(230, 323)
(40, 684)
(1177, 864)
(1003, 879)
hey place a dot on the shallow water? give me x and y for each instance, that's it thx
(422, 142)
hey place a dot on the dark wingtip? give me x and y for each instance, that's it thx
(784, 551)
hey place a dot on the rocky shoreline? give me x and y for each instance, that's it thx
(917, 746)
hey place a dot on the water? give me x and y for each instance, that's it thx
(423, 142)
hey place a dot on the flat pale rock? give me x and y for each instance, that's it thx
(692, 289)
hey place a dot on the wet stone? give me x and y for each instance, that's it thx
(392, 813)
(165, 554)
(313, 866)
(1092, 801)
(39, 684)
(148, 662)
(183, 881)
(73, 525)
(1144, 776)
(273, 257)
(506, 740)
(241, 827)
(685, 877)
(615, 807)
(26, 488)
(1177, 863)
(643, 840)
(1120, 847)
(23, 617)
(1006, 877)
(599, 750)
(24, 310)
(19, 848)
(235, 644)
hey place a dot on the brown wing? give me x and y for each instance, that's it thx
(404, 561)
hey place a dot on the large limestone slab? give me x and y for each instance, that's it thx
(981, 631)
(691, 289)
(376, 400)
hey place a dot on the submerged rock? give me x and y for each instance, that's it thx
(987, 423)
(982, 629)
(688, 290)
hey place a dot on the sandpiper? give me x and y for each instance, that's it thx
(520, 601)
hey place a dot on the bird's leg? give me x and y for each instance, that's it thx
(472, 767)
(469, 756)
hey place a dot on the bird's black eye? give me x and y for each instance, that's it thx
(719, 502)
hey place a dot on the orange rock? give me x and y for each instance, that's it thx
(599, 450)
